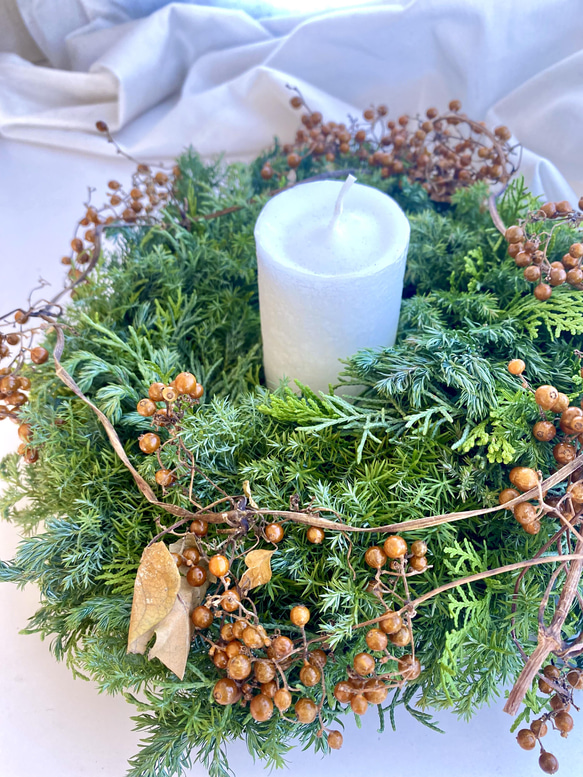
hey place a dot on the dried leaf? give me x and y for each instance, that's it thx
(247, 492)
(155, 589)
(259, 572)
(174, 633)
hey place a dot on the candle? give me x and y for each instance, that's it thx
(331, 258)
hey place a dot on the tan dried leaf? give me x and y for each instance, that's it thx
(155, 589)
(259, 571)
(247, 492)
(174, 632)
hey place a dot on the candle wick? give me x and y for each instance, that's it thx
(350, 179)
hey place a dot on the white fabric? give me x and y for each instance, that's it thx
(215, 78)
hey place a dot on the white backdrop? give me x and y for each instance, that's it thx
(164, 78)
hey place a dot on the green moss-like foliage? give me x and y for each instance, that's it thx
(439, 424)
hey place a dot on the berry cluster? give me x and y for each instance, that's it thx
(442, 151)
(529, 246)
(14, 348)
(561, 684)
(568, 440)
(181, 393)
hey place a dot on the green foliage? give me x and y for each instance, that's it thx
(435, 430)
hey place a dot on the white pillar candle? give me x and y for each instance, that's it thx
(331, 259)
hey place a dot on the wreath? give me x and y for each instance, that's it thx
(248, 563)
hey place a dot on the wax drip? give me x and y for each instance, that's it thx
(350, 179)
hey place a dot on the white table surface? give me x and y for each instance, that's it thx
(53, 725)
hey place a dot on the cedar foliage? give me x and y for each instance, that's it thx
(435, 431)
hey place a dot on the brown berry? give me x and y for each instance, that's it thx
(149, 442)
(239, 667)
(561, 404)
(199, 527)
(576, 250)
(575, 276)
(538, 728)
(516, 367)
(218, 565)
(343, 691)
(557, 703)
(514, 234)
(306, 710)
(546, 396)
(282, 647)
(196, 576)
(146, 407)
(310, 675)
(544, 431)
(542, 292)
(191, 555)
(549, 209)
(575, 678)
(155, 392)
(532, 274)
(564, 453)
(266, 172)
(525, 513)
(524, 478)
(39, 355)
(563, 721)
(375, 557)
(299, 615)
(375, 691)
(548, 763)
(226, 691)
(318, 658)
(220, 659)
(363, 664)
(293, 160)
(230, 600)
(401, 638)
(185, 383)
(264, 670)
(564, 207)
(418, 563)
(164, 477)
(274, 532)
(30, 455)
(532, 528)
(252, 638)
(409, 667)
(376, 639)
(558, 276)
(507, 495)
(198, 392)
(25, 432)
(261, 708)
(315, 535)
(202, 617)
(239, 628)
(359, 704)
(391, 623)
(335, 740)
(526, 739)
(282, 699)
(395, 547)
(419, 548)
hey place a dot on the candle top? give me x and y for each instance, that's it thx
(298, 230)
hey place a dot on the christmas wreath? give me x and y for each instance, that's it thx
(247, 563)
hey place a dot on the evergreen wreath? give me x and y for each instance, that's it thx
(295, 553)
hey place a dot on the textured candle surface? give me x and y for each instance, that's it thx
(327, 287)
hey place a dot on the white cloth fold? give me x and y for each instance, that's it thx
(181, 74)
